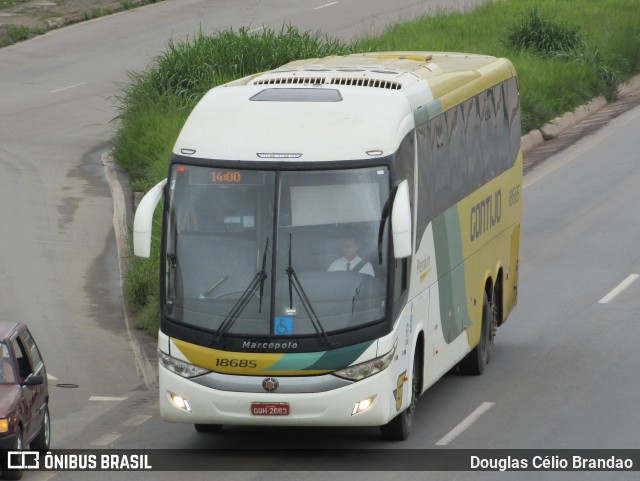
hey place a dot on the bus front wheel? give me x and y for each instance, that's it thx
(399, 428)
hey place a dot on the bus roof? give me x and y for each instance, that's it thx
(334, 108)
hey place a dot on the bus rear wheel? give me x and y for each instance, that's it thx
(476, 361)
(399, 428)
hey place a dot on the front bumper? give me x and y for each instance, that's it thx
(330, 408)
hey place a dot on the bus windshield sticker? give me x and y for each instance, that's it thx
(283, 326)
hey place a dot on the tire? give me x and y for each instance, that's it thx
(476, 361)
(399, 428)
(208, 428)
(13, 473)
(42, 441)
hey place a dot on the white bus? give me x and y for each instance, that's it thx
(338, 233)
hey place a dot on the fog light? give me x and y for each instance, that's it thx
(180, 402)
(362, 405)
(4, 425)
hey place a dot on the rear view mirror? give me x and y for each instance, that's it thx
(401, 222)
(143, 221)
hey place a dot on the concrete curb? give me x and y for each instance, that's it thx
(562, 123)
(53, 23)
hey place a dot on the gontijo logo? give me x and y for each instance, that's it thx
(486, 214)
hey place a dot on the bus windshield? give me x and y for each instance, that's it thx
(266, 253)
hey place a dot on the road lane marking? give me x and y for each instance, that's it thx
(621, 287)
(106, 439)
(51, 378)
(137, 420)
(465, 423)
(67, 88)
(257, 29)
(325, 5)
(107, 398)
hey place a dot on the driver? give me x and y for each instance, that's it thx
(350, 260)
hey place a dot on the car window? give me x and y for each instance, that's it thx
(7, 371)
(31, 348)
(25, 368)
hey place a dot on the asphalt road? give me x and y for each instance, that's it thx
(564, 372)
(60, 270)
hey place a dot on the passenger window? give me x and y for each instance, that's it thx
(473, 143)
(440, 159)
(489, 133)
(502, 124)
(513, 107)
(24, 365)
(458, 163)
(31, 348)
(426, 202)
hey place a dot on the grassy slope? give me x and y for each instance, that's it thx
(156, 104)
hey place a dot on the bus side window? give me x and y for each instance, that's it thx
(459, 181)
(473, 144)
(502, 124)
(440, 159)
(513, 107)
(400, 280)
(489, 140)
(425, 173)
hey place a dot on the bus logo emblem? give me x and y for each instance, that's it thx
(270, 384)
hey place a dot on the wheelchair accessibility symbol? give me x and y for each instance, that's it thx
(283, 326)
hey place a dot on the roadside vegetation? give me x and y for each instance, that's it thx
(17, 33)
(566, 52)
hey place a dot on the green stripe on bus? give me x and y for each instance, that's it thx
(295, 361)
(340, 358)
(426, 112)
(454, 314)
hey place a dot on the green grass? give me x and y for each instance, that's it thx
(10, 3)
(18, 33)
(566, 52)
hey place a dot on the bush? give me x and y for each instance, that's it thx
(543, 35)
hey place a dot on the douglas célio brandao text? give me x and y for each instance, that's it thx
(550, 463)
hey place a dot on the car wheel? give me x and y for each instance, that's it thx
(14, 473)
(42, 441)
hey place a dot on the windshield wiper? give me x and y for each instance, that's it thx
(241, 303)
(264, 267)
(294, 283)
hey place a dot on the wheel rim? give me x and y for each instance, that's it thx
(46, 426)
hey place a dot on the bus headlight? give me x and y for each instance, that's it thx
(368, 368)
(179, 367)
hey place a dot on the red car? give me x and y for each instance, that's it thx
(24, 394)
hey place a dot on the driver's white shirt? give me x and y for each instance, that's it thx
(341, 265)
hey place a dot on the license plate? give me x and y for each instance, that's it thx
(270, 409)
